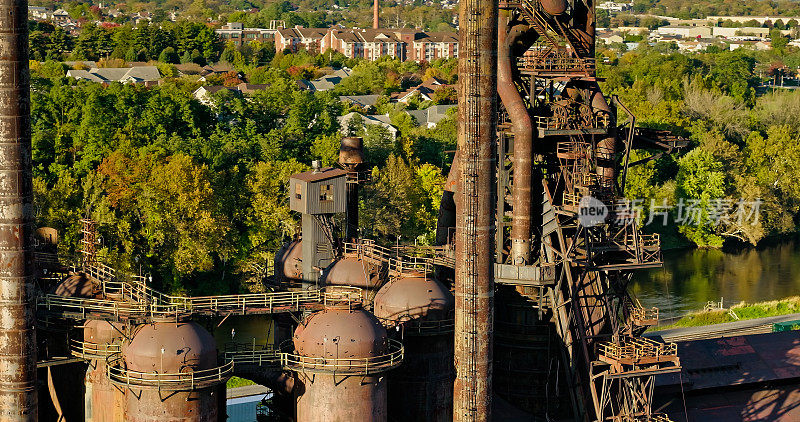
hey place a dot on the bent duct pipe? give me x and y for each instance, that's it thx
(522, 127)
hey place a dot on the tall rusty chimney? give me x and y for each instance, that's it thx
(17, 336)
(375, 15)
(474, 278)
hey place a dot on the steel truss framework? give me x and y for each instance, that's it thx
(609, 369)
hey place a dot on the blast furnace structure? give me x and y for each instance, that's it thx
(522, 306)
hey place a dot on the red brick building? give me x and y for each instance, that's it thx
(370, 44)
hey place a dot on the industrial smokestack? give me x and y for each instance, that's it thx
(351, 158)
(474, 278)
(17, 336)
(375, 15)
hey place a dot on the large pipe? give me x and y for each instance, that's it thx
(507, 38)
(474, 241)
(17, 337)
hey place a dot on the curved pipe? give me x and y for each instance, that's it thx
(508, 38)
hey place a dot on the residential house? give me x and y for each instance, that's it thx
(368, 119)
(363, 101)
(141, 74)
(37, 12)
(327, 82)
(425, 91)
(60, 15)
(204, 93)
(431, 116)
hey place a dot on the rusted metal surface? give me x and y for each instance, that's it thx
(554, 7)
(170, 348)
(420, 308)
(351, 158)
(474, 290)
(508, 36)
(411, 298)
(76, 285)
(351, 271)
(341, 336)
(288, 261)
(18, 401)
(103, 401)
(326, 398)
(341, 332)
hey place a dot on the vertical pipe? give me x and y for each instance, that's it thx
(17, 337)
(375, 14)
(523, 142)
(474, 290)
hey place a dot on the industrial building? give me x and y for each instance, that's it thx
(520, 311)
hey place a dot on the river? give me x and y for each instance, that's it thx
(692, 277)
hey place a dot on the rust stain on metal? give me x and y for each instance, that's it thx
(18, 398)
(474, 290)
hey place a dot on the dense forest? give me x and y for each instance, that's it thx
(743, 146)
(196, 194)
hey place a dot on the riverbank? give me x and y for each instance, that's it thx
(738, 312)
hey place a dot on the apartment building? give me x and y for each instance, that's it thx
(236, 33)
(371, 44)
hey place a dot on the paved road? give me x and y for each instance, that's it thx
(728, 329)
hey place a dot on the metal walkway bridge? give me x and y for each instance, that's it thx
(128, 298)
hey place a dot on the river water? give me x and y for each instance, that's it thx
(692, 277)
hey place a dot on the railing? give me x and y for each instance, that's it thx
(573, 150)
(264, 357)
(338, 295)
(93, 351)
(410, 265)
(571, 200)
(84, 307)
(346, 366)
(639, 313)
(174, 381)
(555, 64)
(366, 248)
(634, 349)
(598, 121)
(169, 307)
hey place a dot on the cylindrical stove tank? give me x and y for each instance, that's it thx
(341, 355)
(289, 261)
(103, 401)
(352, 270)
(169, 372)
(421, 311)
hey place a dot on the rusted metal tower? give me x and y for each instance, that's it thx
(17, 336)
(474, 272)
(561, 149)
